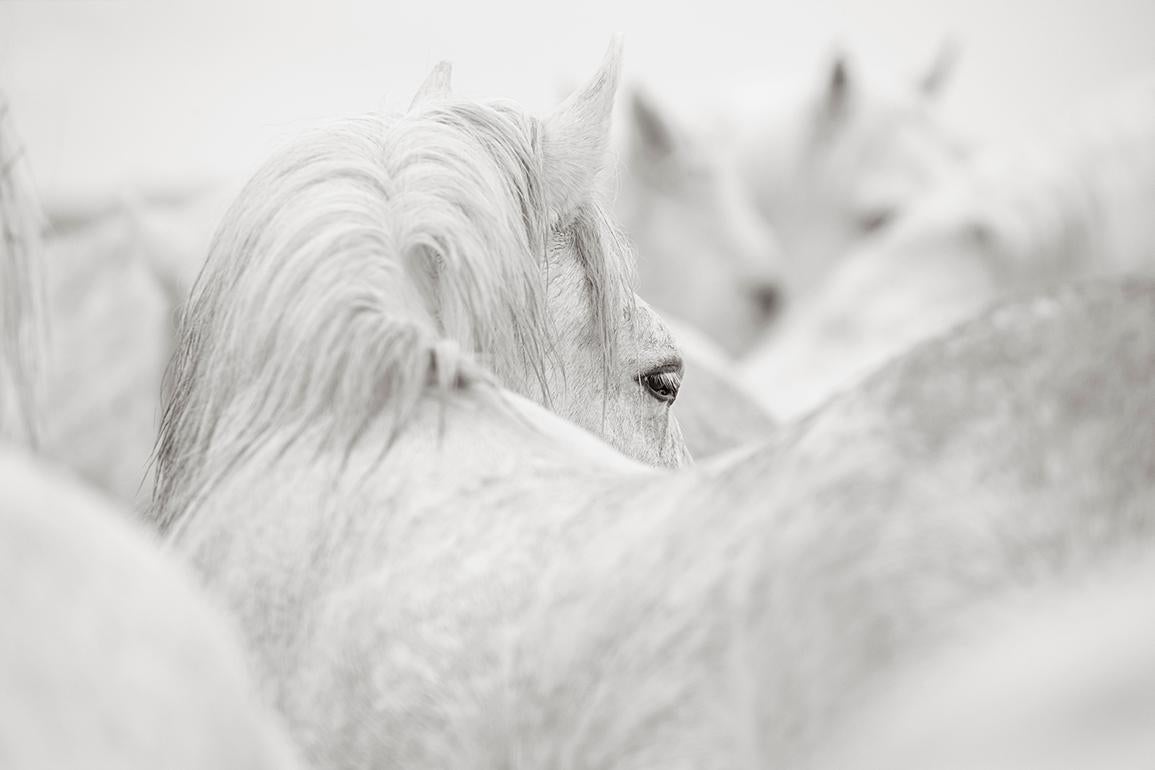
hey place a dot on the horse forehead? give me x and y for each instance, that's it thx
(651, 335)
(908, 136)
(742, 221)
(891, 164)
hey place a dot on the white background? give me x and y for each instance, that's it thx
(123, 94)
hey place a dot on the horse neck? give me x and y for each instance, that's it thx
(304, 483)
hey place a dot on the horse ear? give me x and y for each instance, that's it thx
(652, 138)
(940, 71)
(837, 96)
(436, 85)
(576, 136)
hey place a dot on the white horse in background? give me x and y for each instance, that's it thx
(118, 268)
(114, 326)
(832, 165)
(1075, 203)
(22, 315)
(705, 254)
(438, 572)
(109, 655)
(715, 409)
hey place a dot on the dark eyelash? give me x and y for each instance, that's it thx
(662, 384)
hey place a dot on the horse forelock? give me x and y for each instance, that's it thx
(365, 264)
(607, 262)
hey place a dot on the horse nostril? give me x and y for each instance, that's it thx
(768, 300)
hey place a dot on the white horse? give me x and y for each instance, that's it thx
(22, 318)
(438, 572)
(832, 166)
(1054, 676)
(109, 655)
(716, 411)
(113, 330)
(705, 254)
(510, 260)
(1072, 204)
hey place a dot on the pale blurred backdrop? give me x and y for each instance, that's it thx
(117, 94)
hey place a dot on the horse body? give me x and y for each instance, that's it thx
(111, 657)
(1058, 676)
(505, 589)
(430, 504)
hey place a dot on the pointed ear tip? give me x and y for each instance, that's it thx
(942, 67)
(602, 89)
(442, 73)
(616, 44)
(612, 61)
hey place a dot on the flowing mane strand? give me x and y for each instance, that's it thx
(368, 262)
(22, 316)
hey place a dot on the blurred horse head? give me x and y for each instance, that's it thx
(705, 254)
(834, 166)
(1070, 205)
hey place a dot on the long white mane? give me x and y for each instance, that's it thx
(368, 263)
(21, 290)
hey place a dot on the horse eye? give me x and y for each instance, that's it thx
(662, 384)
(876, 220)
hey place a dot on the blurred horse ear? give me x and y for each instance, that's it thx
(837, 96)
(652, 138)
(436, 85)
(940, 71)
(576, 136)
